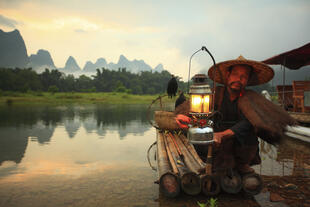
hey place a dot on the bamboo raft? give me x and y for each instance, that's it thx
(181, 169)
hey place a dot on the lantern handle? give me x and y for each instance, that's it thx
(203, 48)
(189, 68)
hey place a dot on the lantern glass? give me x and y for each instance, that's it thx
(200, 103)
(206, 104)
(200, 95)
(196, 103)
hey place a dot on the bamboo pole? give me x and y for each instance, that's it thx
(169, 183)
(210, 184)
(171, 160)
(209, 161)
(190, 162)
(252, 184)
(176, 145)
(192, 150)
(231, 182)
(207, 188)
(190, 181)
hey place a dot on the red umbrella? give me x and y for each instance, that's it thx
(293, 59)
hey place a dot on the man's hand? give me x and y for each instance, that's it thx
(182, 121)
(219, 136)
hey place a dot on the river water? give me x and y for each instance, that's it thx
(95, 155)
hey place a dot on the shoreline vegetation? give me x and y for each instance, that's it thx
(33, 97)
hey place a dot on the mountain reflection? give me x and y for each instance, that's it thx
(72, 126)
(18, 124)
(13, 144)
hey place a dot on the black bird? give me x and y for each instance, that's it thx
(172, 87)
(180, 100)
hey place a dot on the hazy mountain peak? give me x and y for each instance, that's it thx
(41, 60)
(101, 61)
(71, 61)
(122, 59)
(15, 31)
(88, 67)
(13, 52)
(71, 65)
(71, 58)
(89, 63)
(159, 68)
(122, 56)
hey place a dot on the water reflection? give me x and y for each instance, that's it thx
(20, 124)
(13, 144)
(290, 158)
(95, 155)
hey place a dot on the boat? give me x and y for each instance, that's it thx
(294, 98)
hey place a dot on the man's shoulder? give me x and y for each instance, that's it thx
(251, 93)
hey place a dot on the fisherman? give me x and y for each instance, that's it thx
(244, 115)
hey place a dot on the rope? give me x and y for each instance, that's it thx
(148, 156)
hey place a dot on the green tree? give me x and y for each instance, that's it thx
(53, 89)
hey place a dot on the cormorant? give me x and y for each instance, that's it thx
(180, 99)
(172, 87)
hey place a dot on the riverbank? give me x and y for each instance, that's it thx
(76, 97)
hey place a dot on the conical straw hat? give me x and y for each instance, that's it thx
(261, 73)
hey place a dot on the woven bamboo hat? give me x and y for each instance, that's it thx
(261, 73)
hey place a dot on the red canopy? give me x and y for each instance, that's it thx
(293, 59)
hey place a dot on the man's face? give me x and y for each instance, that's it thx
(238, 77)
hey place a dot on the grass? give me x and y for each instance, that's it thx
(212, 202)
(75, 97)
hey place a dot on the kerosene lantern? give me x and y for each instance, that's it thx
(201, 106)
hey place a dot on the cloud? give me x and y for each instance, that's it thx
(84, 24)
(242, 29)
(80, 31)
(161, 31)
(8, 22)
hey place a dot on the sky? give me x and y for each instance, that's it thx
(166, 32)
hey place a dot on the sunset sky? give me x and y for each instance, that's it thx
(166, 32)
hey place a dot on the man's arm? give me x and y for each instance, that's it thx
(240, 130)
(219, 136)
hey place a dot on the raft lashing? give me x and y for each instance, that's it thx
(181, 169)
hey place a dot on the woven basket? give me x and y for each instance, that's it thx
(166, 120)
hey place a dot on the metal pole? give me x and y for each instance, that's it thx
(283, 90)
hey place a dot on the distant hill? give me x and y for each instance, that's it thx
(71, 66)
(13, 52)
(134, 66)
(91, 67)
(41, 60)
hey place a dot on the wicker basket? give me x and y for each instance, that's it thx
(166, 120)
